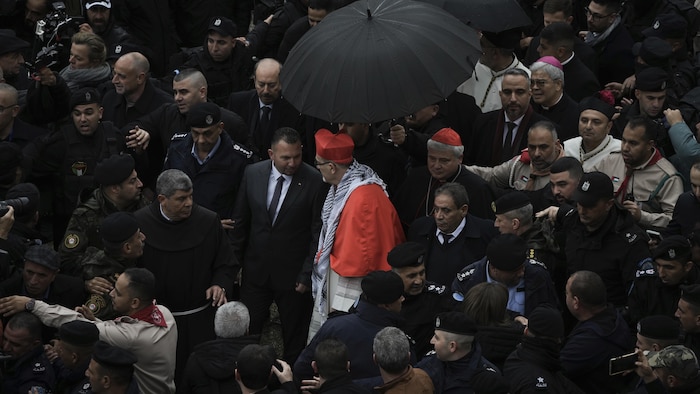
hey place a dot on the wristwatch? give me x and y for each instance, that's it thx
(29, 306)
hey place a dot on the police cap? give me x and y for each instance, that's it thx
(85, 96)
(691, 294)
(223, 26)
(659, 327)
(652, 79)
(114, 169)
(667, 25)
(654, 51)
(202, 115)
(79, 333)
(382, 287)
(510, 202)
(507, 252)
(456, 323)
(118, 227)
(407, 254)
(112, 356)
(673, 248)
(593, 187)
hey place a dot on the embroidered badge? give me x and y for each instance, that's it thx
(71, 241)
(79, 168)
(672, 253)
(585, 186)
(118, 49)
(657, 25)
(209, 120)
(217, 22)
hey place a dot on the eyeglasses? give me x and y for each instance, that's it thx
(2, 109)
(539, 82)
(321, 163)
(596, 16)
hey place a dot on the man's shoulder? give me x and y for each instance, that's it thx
(668, 168)
(239, 100)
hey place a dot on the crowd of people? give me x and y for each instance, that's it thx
(536, 230)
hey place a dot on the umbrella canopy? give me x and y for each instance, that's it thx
(375, 60)
(488, 15)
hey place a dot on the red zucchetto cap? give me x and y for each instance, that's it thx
(447, 136)
(334, 147)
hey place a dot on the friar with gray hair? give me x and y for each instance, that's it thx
(191, 258)
(211, 366)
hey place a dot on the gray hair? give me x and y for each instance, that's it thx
(170, 181)
(391, 350)
(524, 214)
(547, 125)
(456, 191)
(554, 72)
(232, 320)
(456, 150)
(4, 87)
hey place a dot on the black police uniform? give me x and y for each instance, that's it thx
(650, 296)
(72, 381)
(32, 369)
(419, 312)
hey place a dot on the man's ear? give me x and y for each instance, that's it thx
(313, 366)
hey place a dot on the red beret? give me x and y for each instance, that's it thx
(334, 147)
(447, 136)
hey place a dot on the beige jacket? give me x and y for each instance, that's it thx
(513, 174)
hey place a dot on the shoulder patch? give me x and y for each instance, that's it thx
(178, 136)
(242, 150)
(649, 272)
(541, 383)
(38, 368)
(436, 289)
(71, 241)
(536, 263)
(464, 275)
(631, 237)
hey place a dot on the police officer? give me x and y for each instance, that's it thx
(213, 161)
(506, 262)
(120, 190)
(111, 370)
(656, 289)
(423, 300)
(63, 163)
(688, 313)
(74, 350)
(28, 365)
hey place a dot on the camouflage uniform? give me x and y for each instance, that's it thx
(96, 263)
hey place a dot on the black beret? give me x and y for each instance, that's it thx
(654, 51)
(85, 96)
(507, 252)
(43, 255)
(203, 115)
(674, 248)
(25, 190)
(112, 356)
(223, 26)
(510, 202)
(407, 254)
(118, 227)
(597, 104)
(593, 187)
(79, 333)
(507, 39)
(667, 25)
(114, 169)
(659, 327)
(382, 287)
(456, 323)
(691, 294)
(652, 79)
(9, 42)
(10, 158)
(545, 321)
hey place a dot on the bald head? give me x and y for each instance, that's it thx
(130, 75)
(267, 80)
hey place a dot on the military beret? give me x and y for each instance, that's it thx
(659, 327)
(593, 187)
(223, 26)
(507, 252)
(10, 158)
(545, 321)
(602, 102)
(79, 333)
(667, 25)
(203, 115)
(654, 51)
(447, 136)
(507, 39)
(691, 294)
(85, 96)
(118, 227)
(674, 248)
(101, 3)
(114, 169)
(112, 356)
(382, 287)
(334, 147)
(652, 79)
(510, 202)
(456, 323)
(43, 255)
(9, 42)
(407, 254)
(28, 190)
(679, 360)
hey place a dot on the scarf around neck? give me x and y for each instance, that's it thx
(76, 78)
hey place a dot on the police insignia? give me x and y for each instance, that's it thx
(217, 22)
(585, 186)
(38, 367)
(209, 120)
(437, 322)
(657, 25)
(493, 206)
(118, 49)
(531, 254)
(79, 168)
(663, 85)
(672, 253)
(88, 96)
(96, 303)
(71, 241)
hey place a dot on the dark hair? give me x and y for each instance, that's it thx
(26, 321)
(254, 366)
(696, 165)
(567, 164)
(118, 375)
(286, 134)
(650, 128)
(589, 288)
(559, 34)
(554, 6)
(326, 5)
(486, 304)
(547, 125)
(142, 284)
(331, 358)
(456, 191)
(516, 72)
(610, 5)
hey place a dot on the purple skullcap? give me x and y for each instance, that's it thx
(551, 60)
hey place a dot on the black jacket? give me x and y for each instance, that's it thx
(686, 215)
(579, 80)
(564, 114)
(117, 112)
(615, 58)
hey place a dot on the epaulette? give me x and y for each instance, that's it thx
(631, 237)
(537, 263)
(242, 150)
(435, 288)
(430, 353)
(464, 275)
(645, 272)
(178, 136)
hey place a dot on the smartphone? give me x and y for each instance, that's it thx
(622, 364)
(655, 235)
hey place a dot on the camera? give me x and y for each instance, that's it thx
(17, 203)
(50, 33)
(47, 57)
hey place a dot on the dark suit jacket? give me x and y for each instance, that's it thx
(487, 142)
(582, 50)
(615, 58)
(283, 114)
(579, 80)
(564, 114)
(282, 252)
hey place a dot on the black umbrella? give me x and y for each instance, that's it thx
(378, 59)
(488, 15)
